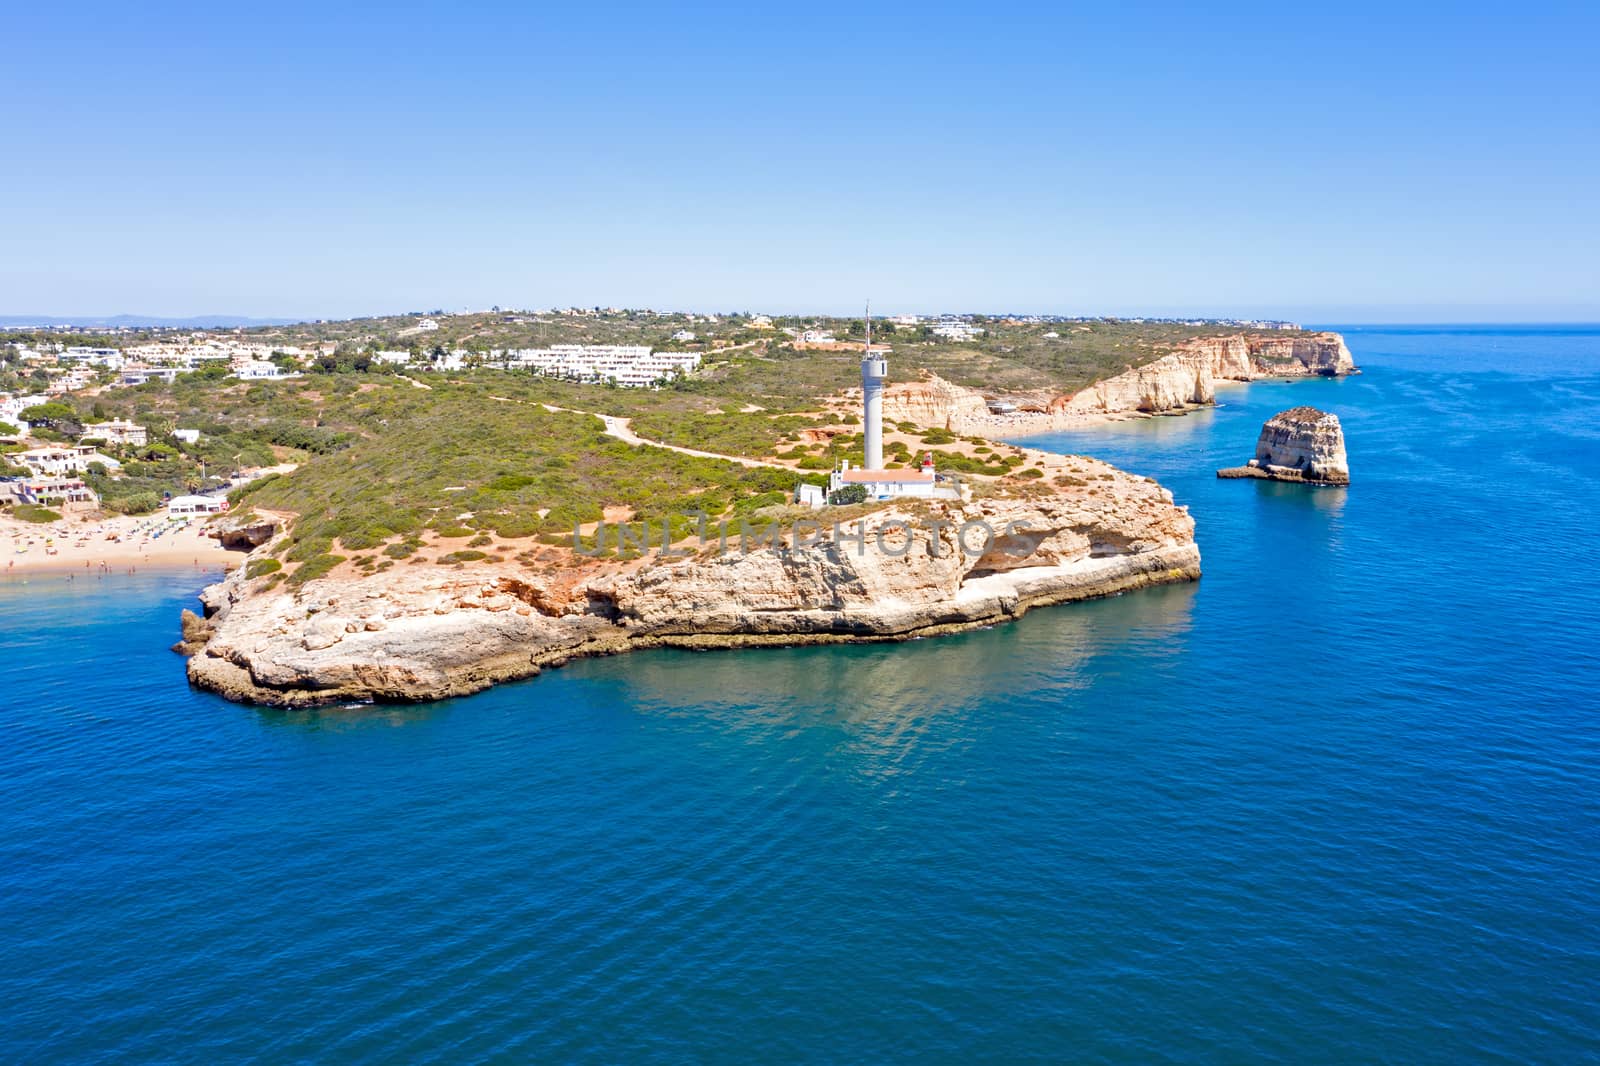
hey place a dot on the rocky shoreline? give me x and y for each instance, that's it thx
(429, 632)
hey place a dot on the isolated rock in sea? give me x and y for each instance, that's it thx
(1300, 444)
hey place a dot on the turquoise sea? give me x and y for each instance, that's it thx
(1338, 802)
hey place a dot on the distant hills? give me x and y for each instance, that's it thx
(139, 321)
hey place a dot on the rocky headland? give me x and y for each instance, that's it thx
(426, 630)
(1181, 380)
(1300, 444)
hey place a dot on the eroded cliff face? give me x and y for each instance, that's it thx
(425, 632)
(1179, 380)
(933, 402)
(1175, 381)
(1188, 376)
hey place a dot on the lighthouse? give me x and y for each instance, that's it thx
(874, 368)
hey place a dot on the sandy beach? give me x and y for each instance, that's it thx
(120, 544)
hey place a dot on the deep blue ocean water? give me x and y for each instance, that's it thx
(1335, 803)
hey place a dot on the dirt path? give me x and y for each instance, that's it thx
(622, 429)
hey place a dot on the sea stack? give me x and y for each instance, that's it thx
(1300, 444)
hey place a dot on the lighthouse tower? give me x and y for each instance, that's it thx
(874, 369)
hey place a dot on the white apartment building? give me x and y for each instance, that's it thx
(956, 330)
(138, 375)
(107, 357)
(66, 492)
(629, 365)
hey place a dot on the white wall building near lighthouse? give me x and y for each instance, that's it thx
(888, 484)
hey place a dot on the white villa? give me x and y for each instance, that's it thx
(118, 431)
(62, 459)
(257, 370)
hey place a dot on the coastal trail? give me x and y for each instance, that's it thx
(622, 429)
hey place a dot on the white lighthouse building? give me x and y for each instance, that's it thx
(874, 369)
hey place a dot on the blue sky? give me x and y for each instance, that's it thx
(1370, 163)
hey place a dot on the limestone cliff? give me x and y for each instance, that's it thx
(933, 402)
(1300, 444)
(1187, 377)
(427, 631)
(1184, 378)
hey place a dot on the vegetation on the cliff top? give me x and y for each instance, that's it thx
(384, 457)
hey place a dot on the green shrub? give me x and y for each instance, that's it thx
(848, 495)
(515, 524)
(466, 555)
(138, 503)
(307, 548)
(315, 567)
(28, 512)
(261, 567)
(765, 499)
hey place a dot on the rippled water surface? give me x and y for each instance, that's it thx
(1337, 802)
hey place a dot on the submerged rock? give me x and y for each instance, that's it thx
(1300, 444)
